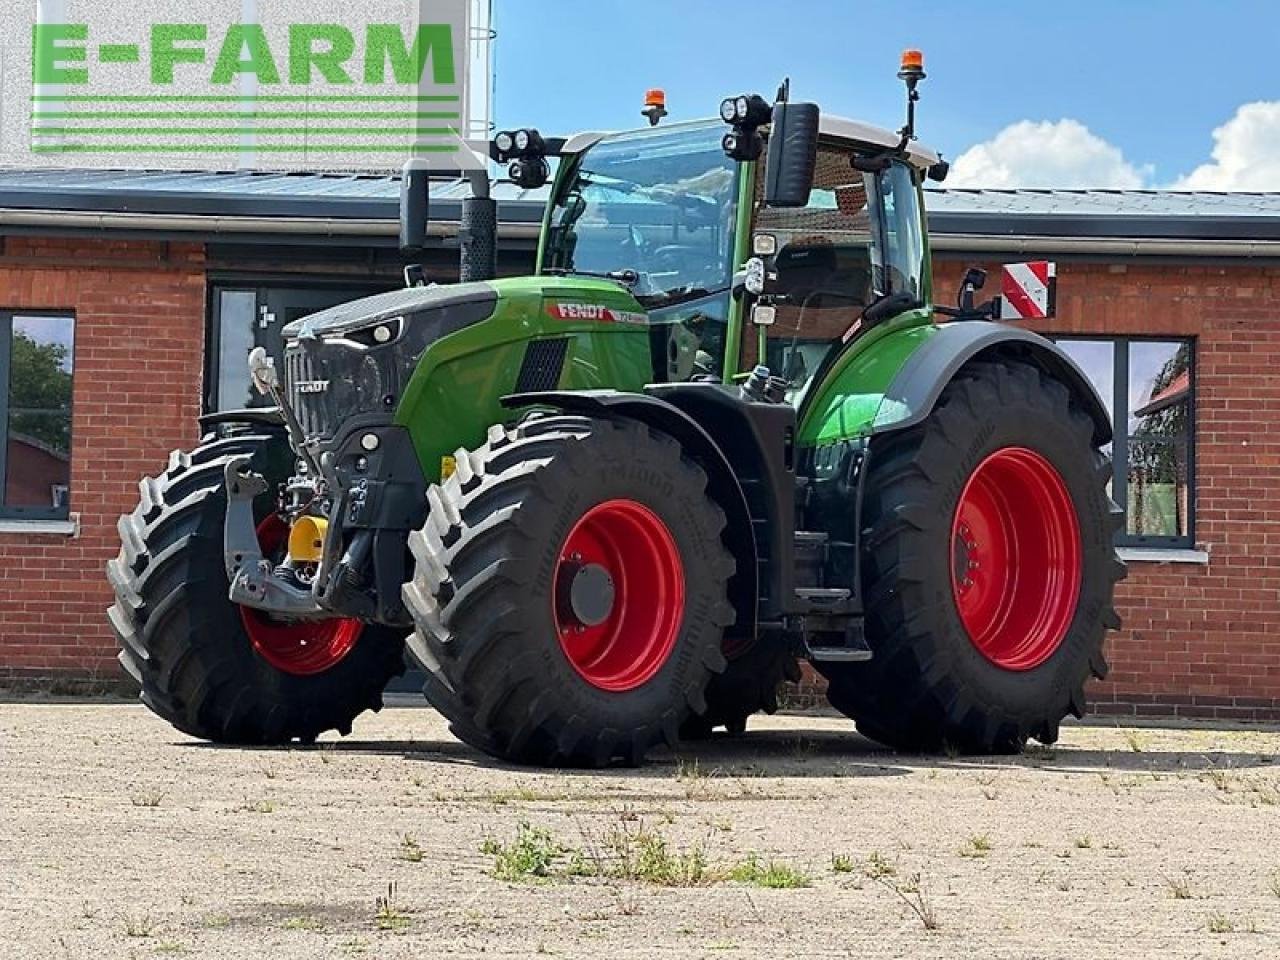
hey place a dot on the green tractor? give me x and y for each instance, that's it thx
(722, 429)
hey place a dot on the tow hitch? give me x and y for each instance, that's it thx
(253, 580)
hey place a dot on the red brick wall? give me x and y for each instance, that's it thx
(1197, 640)
(139, 343)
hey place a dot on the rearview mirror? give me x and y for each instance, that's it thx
(793, 154)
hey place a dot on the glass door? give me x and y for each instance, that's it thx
(246, 316)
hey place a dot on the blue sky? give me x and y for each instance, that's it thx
(1147, 81)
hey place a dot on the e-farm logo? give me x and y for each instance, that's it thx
(292, 95)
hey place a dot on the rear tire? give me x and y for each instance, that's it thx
(496, 564)
(184, 641)
(938, 679)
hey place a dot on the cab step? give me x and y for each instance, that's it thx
(853, 650)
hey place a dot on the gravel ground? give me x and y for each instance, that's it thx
(121, 838)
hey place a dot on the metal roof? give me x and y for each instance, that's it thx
(1156, 214)
(239, 193)
(372, 203)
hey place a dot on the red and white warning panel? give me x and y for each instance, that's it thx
(1028, 291)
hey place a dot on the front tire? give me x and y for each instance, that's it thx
(211, 668)
(570, 592)
(988, 569)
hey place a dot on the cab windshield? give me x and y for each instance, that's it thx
(654, 209)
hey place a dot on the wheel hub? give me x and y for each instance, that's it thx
(619, 595)
(587, 593)
(1016, 558)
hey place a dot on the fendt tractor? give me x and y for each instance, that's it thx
(722, 428)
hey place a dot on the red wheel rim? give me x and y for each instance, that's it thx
(619, 595)
(304, 647)
(1016, 558)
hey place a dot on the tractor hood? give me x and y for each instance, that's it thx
(475, 300)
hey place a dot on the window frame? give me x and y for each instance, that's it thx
(1120, 433)
(8, 512)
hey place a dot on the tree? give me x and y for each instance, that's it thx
(40, 391)
(1156, 454)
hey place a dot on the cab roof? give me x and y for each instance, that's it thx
(839, 129)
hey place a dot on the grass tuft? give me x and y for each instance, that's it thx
(1220, 923)
(410, 849)
(1179, 887)
(141, 927)
(976, 847)
(771, 874)
(529, 856)
(842, 863)
(386, 914)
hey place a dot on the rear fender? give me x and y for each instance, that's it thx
(894, 379)
(722, 481)
(919, 383)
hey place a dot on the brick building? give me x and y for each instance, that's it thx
(127, 290)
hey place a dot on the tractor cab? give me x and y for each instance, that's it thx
(671, 215)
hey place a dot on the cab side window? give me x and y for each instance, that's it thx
(827, 272)
(904, 239)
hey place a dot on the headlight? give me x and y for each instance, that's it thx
(741, 107)
(504, 142)
(522, 140)
(729, 111)
(754, 281)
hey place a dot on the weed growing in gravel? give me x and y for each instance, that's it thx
(410, 849)
(143, 926)
(644, 855)
(878, 866)
(215, 921)
(1275, 883)
(912, 892)
(530, 855)
(256, 806)
(170, 947)
(976, 847)
(147, 799)
(303, 923)
(1222, 779)
(842, 863)
(386, 915)
(1179, 887)
(1220, 923)
(1136, 741)
(1084, 842)
(771, 874)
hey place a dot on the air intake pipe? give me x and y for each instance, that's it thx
(478, 231)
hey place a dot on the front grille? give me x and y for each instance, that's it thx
(311, 408)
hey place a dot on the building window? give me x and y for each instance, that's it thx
(1148, 386)
(36, 365)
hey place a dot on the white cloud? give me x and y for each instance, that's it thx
(1246, 153)
(1064, 155)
